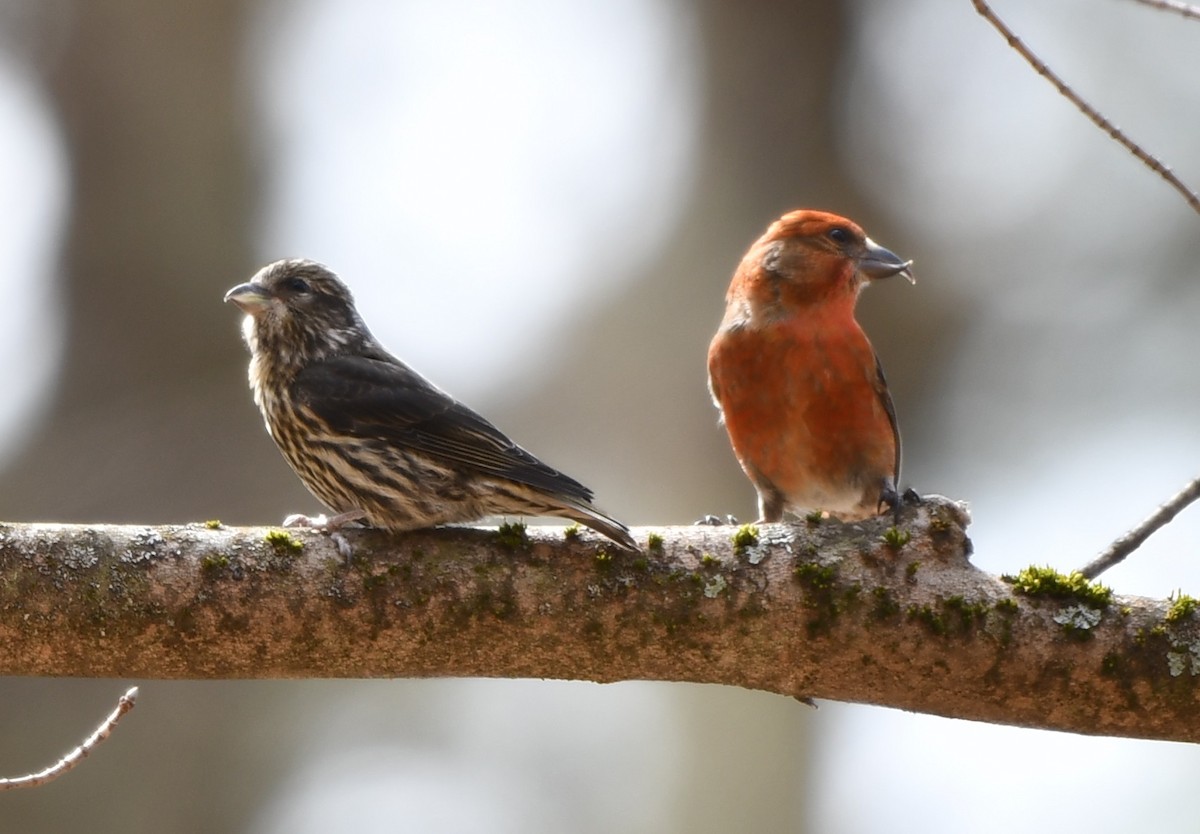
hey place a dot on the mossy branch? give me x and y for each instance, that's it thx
(818, 609)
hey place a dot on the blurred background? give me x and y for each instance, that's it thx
(539, 206)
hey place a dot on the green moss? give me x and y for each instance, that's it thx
(895, 538)
(969, 614)
(1110, 665)
(929, 617)
(214, 563)
(952, 616)
(1007, 609)
(283, 542)
(640, 564)
(1182, 607)
(374, 581)
(512, 535)
(821, 597)
(603, 559)
(213, 524)
(708, 560)
(746, 536)
(1048, 583)
(501, 604)
(884, 605)
(815, 517)
(910, 571)
(654, 543)
(1126, 610)
(571, 533)
(817, 577)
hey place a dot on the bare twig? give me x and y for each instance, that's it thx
(1132, 540)
(69, 761)
(1184, 9)
(1100, 121)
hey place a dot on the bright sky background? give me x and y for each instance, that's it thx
(31, 166)
(471, 168)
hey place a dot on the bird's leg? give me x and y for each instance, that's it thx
(330, 526)
(889, 496)
(770, 505)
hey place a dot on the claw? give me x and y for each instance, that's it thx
(329, 526)
(716, 521)
(322, 523)
(315, 522)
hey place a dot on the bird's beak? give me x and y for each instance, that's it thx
(878, 263)
(252, 298)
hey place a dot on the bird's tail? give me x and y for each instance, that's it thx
(603, 524)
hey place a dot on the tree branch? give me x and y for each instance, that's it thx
(1097, 118)
(1187, 10)
(846, 612)
(1135, 538)
(68, 762)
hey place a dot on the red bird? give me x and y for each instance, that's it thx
(798, 385)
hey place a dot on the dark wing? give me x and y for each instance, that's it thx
(388, 401)
(881, 390)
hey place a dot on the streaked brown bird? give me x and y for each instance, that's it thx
(799, 387)
(371, 438)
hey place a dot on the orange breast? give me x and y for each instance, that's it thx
(803, 409)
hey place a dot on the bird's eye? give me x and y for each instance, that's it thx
(839, 235)
(296, 285)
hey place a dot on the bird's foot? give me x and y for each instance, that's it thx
(889, 496)
(716, 521)
(322, 523)
(330, 526)
(896, 502)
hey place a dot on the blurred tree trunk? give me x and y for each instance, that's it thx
(772, 86)
(771, 65)
(153, 100)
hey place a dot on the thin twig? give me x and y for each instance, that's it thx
(1132, 540)
(1100, 121)
(69, 761)
(1185, 9)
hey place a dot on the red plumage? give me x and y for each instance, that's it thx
(798, 384)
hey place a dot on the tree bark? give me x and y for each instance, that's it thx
(848, 612)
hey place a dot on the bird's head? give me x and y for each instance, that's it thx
(808, 256)
(297, 312)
